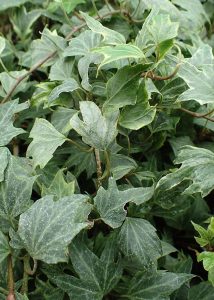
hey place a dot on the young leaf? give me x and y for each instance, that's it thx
(139, 115)
(48, 226)
(110, 203)
(46, 139)
(110, 37)
(112, 54)
(97, 130)
(197, 166)
(59, 187)
(97, 276)
(4, 247)
(138, 240)
(15, 191)
(155, 286)
(7, 112)
(122, 87)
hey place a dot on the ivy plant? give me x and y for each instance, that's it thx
(106, 149)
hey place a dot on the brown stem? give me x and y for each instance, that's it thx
(153, 76)
(197, 115)
(99, 167)
(51, 55)
(10, 279)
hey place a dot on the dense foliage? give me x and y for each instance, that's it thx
(106, 149)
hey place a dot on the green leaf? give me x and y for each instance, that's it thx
(198, 72)
(7, 112)
(97, 130)
(62, 69)
(110, 203)
(4, 247)
(156, 286)
(46, 139)
(48, 226)
(2, 44)
(97, 276)
(8, 80)
(81, 46)
(201, 291)
(59, 187)
(139, 115)
(122, 87)
(110, 37)
(61, 119)
(158, 31)
(68, 5)
(15, 191)
(23, 20)
(207, 258)
(11, 3)
(121, 165)
(68, 86)
(4, 159)
(138, 240)
(112, 54)
(197, 166)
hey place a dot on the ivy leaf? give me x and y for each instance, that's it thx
(4, 247)
(197, 72)
(138, 240)
(158, 31)
(81, 46)
(61, 119)
(197, 167)
(15, 191)
(121, 165)
(68, 86)
(112, 54)
(59, 187)
(9, 79)
(4, 158)
(122, 87)
(97, 130)
(46, 139)
(156, 286)
(2, 44)
(97, 276)
(139, 115)
(203, 290)
(110, 37)
(48, 226)
(208, 263)
(110, 203)
(62, 69)
(11, 3)
(7, 112)
(68, 5)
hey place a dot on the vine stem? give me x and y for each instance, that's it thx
(51, 55)
(197, 115)
(99, 167)
(10, 279)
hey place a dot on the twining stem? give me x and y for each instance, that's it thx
(99, 167)
(197, 115)
(51, 55)
(108, 166)
(10, 279)
(153, 76)
(27, 271)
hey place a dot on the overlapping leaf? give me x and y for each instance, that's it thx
(48, 226)
(4, 247)
(97, 130)
(110, 203)
(46, 139)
